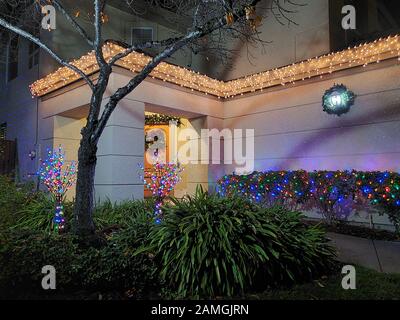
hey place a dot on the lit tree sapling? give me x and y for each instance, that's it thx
(58, 179)
(162, 181)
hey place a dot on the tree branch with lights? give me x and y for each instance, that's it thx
(162, 180)
(58, 178)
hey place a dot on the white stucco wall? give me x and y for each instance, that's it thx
(66, 134)
(292, 132)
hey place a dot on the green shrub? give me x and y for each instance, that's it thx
(12, 199)
(393, 212)
(23, 208)
(108, 266)
(38, 213)
(23, 255)
(209, 246)
(115, 265)
(108, 214)
(304, 250)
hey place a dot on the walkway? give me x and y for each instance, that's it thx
(382, 256)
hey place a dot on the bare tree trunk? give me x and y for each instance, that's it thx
(84, 203)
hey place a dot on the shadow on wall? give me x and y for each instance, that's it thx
(330, 133)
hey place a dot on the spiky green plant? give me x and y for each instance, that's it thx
(208, 246)
(109, 214)
(38, 213)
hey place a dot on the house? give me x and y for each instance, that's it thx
(278, 95)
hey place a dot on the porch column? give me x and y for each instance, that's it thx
(215, 171)
(196, 173)
(207, 171)
(120, 150)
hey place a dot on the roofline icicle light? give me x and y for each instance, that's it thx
(361, 55)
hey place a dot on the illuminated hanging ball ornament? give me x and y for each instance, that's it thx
(338, 100)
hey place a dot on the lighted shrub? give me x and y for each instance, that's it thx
(23, 208)
(210, 246)
(335, 194)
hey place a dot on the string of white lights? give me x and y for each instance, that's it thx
(361, 55)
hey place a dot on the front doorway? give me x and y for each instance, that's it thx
(156, 149)
(165, 133)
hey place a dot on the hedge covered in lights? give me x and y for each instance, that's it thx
(336, 194)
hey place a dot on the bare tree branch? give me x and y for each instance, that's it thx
(98, 43)
(142, 46)
(73, 22)
(35, 40)
(211, 26)
(134, 82)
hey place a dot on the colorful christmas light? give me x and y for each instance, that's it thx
(161, 182)
(333, 193)
(58, 180)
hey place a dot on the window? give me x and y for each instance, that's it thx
(142, 35)
(12, 59)
(3, 131)
(374, 19)
(33, 55)
(33, 52)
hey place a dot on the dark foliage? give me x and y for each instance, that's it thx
(209, 246)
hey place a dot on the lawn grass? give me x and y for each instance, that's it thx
(371, 285)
